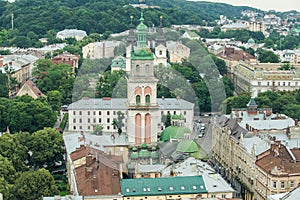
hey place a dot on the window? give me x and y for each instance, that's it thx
(292, 184)
(94, 120)
(137, 69)
(259, 83)
(147, 99)
(80, 127)
(274, 184)
(74, 127)
(74, 120)
(80, 120)
(108, 120)
(213, 196)
(278, 83)
(108, 113)
(223, 195)
(89, 121)
(74, 112)
(80, 113)
(99, 120)
(268, 84)
(99, 112)
(94, 113)
(114, 112)
(160, 52)
(289, 83)
(174, 112)
(296, 83)
(138, 99)
(283, 83)
(282, 185)
(108, 127)
(88, 112)
(184, 112)
(89, 127)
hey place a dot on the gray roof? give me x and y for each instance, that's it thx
(235, 128)
(149, 168)
(120, 104)
(293, 195)
(167, 148)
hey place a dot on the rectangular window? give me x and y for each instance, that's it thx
(94, 113)
(74, 120)
(74, 112)
(88, 112)
(278, 83)
(259, 83)
(283, 83)
(89, 121)
(292, 184)
(268, 84)
(282, 185)
(94, 120)
(114, 112)
(89, 127)
(275, 184)
(80, 113)
(99, 112)
(184, 112)
(108, 120)
(99, 120)
(80, 120)
(108, 113)
(108, 127)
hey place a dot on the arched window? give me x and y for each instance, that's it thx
(147, 99)
(138, 99)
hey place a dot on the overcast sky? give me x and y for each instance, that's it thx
(278, 5)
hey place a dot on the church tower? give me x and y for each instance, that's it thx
(130, 43)
(160, 46)
(143, 114)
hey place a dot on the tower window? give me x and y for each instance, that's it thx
(160, 52)
(147, 99)
(138, 99)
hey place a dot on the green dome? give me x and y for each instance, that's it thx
(134, 149)
(141, 26)
(144, 146)
(187, 146)
(251, 41)
(175, 132)
(134, 155)
(144, 153)
(153, 148)
(154, 154)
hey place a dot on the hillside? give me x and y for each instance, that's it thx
(94, 16)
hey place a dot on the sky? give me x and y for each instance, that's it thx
(278, 5)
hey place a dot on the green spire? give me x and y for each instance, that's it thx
(141, 32)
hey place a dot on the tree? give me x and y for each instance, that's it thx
(47, 148)
(98, 130)
(268, 56)
(118, 122)
(54, 99)
(34, 185)
(4, 85)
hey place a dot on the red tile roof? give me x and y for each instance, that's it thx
(279, 161)
(33, 88)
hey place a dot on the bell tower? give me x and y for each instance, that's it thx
(143, 116)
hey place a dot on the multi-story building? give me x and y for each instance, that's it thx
(67, 58)
(98, 50)
(277, 171)
(254, 80)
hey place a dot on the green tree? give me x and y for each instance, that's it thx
(47, 147)
(4, 85)
(54, 99)
(268, 56)
(34, 185)
(118, 122)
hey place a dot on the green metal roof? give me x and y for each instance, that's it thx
(134, 155)
(252, 102)
(154, 154)
(142, 54)
(251, 41)
(144, 153)
(187, 146)
(163, 186)
(175, 132)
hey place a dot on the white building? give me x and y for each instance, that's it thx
(98, 50)
(71, 33)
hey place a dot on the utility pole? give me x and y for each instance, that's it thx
(12, 21)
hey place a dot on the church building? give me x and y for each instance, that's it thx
(142, 109)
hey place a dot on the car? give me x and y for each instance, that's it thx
(201, 134)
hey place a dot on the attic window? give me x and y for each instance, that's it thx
(148, 189)
(133, 190)
(171, 188)
(127, 190)
(182, 187)
(194, 187)
(201, 186)
(159, 189)
(144, 189)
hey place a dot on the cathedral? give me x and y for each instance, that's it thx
(142, 109)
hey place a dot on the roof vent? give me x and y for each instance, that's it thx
(171, 188)
(133, 190)
(194, 187)
(159, 189)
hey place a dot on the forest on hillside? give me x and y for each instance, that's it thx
(35, 18)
